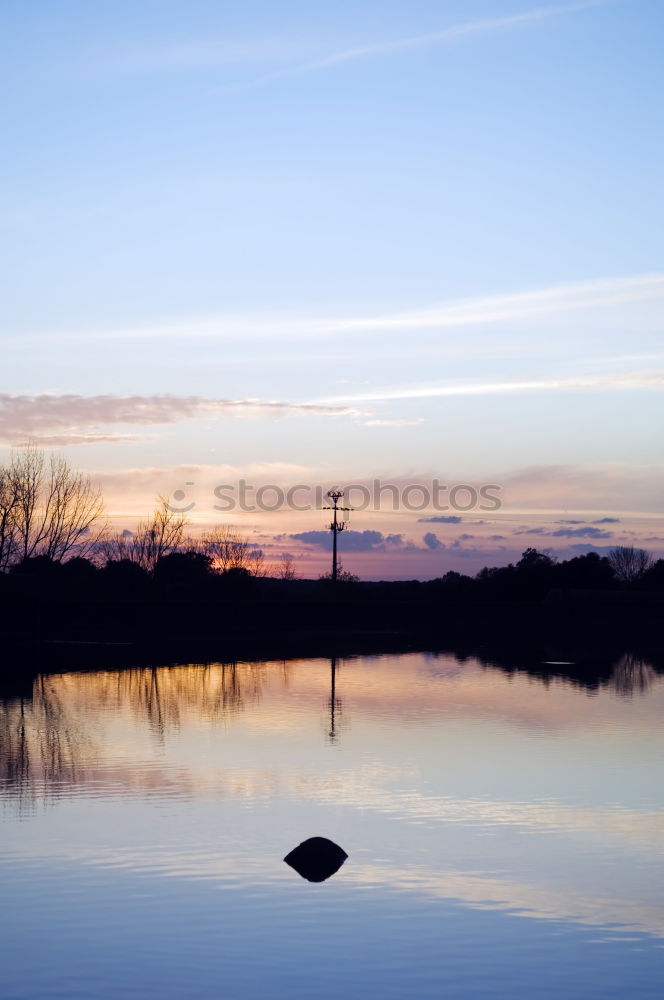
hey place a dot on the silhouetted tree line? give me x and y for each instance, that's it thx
(56, 543)
(537, 574)
(191, 571)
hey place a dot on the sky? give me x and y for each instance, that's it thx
(333, 244)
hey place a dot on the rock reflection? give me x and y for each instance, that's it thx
(316, 859)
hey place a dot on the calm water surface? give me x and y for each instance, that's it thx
(505, 835)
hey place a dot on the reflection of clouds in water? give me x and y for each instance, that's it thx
(542, 902)
(363, 789)
(475, 889)
(64, 737)
(108, 735)
(356, 789)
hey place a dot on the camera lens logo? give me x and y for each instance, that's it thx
(179, 496)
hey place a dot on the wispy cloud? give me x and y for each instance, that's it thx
(442, 519)
(516, 306)
(71, 419)
(624, 381)
(587, 531)
(584, 532)
(62, 440)
(285, 56)
(432, 541)
(371, 541)
(131, 490)
(626, 489)
(444, 36)
(397, 422)
(531, 496)
(601, 293)
(354, 541)
(194, 54)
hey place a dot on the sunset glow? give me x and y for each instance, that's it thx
(374, 243)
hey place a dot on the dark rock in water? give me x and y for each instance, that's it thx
(316, 859)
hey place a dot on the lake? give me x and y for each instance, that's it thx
(504, 831)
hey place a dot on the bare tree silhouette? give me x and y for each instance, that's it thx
(8, 518)
(230, 550)
(160, 535)
(286, 568)
(628, 563)
(47, 508)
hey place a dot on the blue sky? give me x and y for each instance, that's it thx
(435, 226)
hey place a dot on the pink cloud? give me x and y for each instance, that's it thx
(72, 419)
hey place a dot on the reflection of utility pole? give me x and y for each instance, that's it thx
(333, 680)
(336, 525)
(334, 704)
(153, 705)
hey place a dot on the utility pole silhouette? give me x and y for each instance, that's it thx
(336, 525)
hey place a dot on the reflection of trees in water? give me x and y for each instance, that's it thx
(53, 740)
(164, 696)
(46, 741)
(14, 753)
(624, 673)
(42, 740)
(632, 675)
